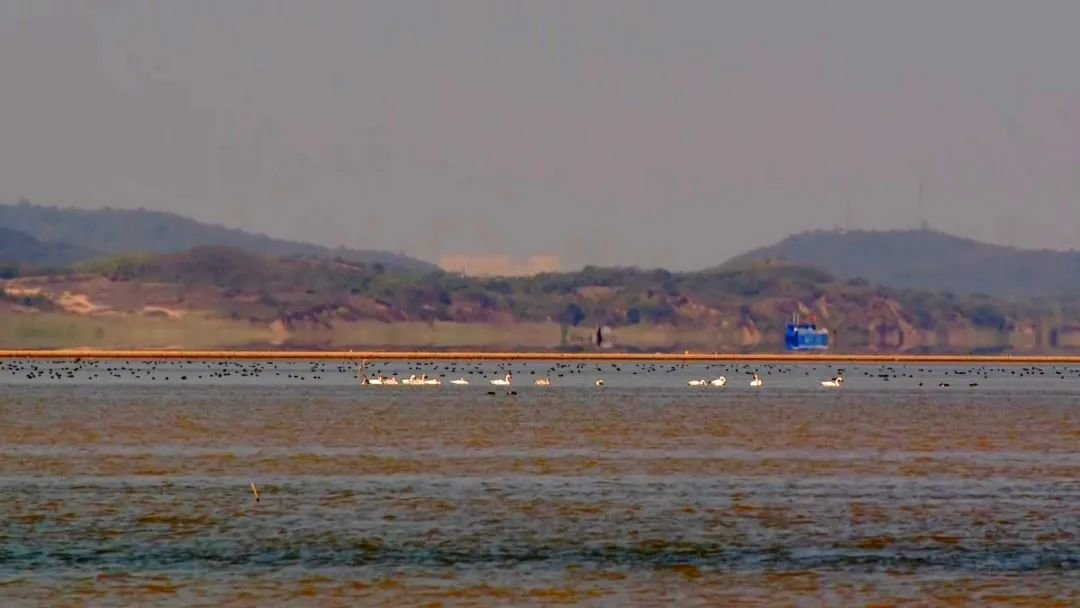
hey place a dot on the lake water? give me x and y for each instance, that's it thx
(128, 483)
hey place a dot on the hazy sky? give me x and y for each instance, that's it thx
(633, 132)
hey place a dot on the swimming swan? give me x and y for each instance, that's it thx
(834, 383)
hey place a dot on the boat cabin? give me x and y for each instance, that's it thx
(800, 336)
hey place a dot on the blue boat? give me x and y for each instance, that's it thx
(805, 336)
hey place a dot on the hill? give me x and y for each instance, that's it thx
(927, 259)
(20, 249)
(124, 230)
(224, 297)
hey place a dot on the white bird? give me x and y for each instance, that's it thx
(697, 383)
(756, 382)
(503, 381)
(459, 381)
(721, 381)
(390, 380)
(834, 383)
(545, 381)
(599, 384)
(429, 381)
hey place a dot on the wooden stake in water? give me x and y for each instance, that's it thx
(255, 491)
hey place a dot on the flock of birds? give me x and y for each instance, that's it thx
(507, 380)
(961, 376)
(474, 372)
(425, 380)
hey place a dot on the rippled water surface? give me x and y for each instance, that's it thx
(128, 483)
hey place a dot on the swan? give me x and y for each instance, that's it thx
(834, 383)
(721, 381)
(697, 383)
(599, 384)
(389, 381)
(421, 380)
(459, 381)
(756, 382)
(503, 381)
(545, 381)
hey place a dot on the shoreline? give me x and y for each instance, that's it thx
(534, 356)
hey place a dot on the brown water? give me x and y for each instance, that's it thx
(117, 490)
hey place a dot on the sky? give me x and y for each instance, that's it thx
(629, 132)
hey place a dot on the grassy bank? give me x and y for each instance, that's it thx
(52, 330)
(61, 330)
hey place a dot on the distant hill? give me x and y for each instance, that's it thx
(22, 249)
(927, 259)
(319, 303)
(124, 231)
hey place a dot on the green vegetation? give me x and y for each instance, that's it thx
(167, 280)
(259, 299)
(58, 330)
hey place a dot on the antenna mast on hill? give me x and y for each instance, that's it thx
(923, 224)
